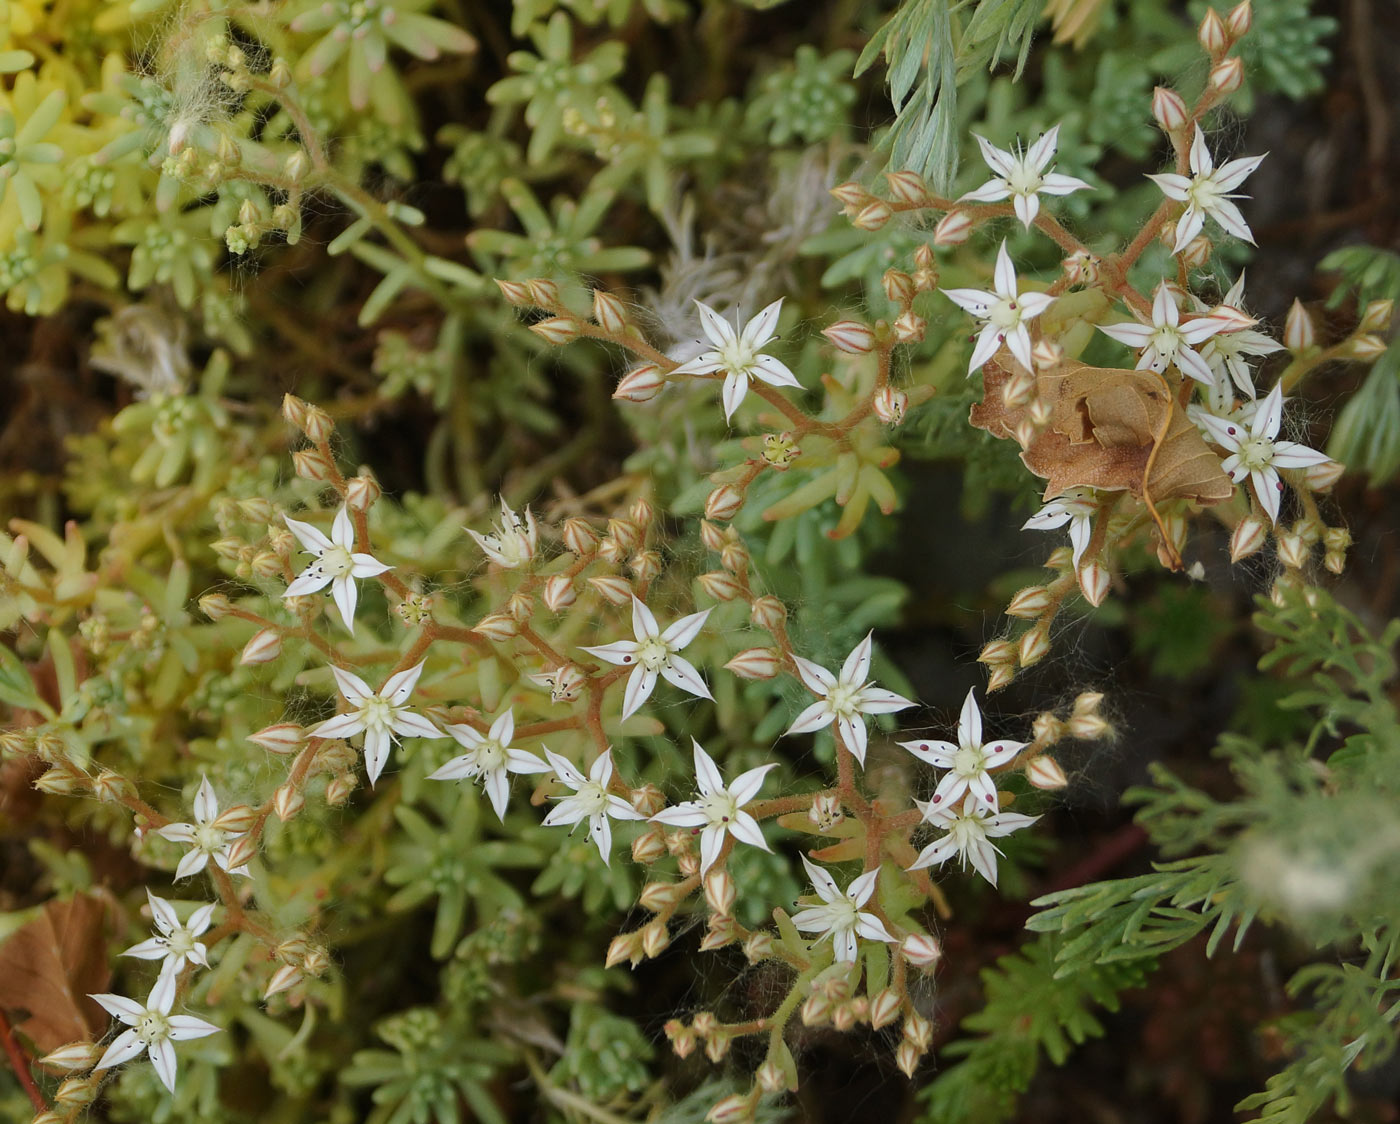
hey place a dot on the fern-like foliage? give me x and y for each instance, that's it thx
(929, 47)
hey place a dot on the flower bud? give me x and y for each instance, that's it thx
(497, 626)
(768, 613)
(885, 1008)
(641, 384)
(909, 328)
(1321, 477)
(721, 586)
(1094, 582)
(1196, 253)
(1227, 76)
(655, 938)
(1335, 561)
(242, 851)
(287, 801)
(361, 492)
(616, 591)
(648, 800)
(609, 312)
(1169, 109)
(559, 592)
(918, 1030)
(734, 557)
(543, 292)
(758, 946)
(1211, 33)
(952, 229)
(520, 607)
(851, 194)
(899, 286)
(908, 187)
(1029, 603)
(312, 464)
(317, 424)
(264, 647)
(1040, 412)
(890, 405)
(1046, 730)
(907, 1056)
(74, 1056)
(755, 663)
(843, 1016)
(287, 976)
(826, 812)
(646, 566)
(733, 1109)
(724, 503)
(266, 564)
(1033, 646)
(1292, 551)
(721, 931)
(770, 1078)
(557, 330)
(515, 293)
(1376, 316)
(681, 1037)
(339, 789)
(316, 960)
(649, 847)
(294, 410)
(110, 787)
(579, 537)
(75, 1092)
(1000, 676)
(627, 946)
(1299, 333)
(816, 1009)
(872, 216)
(1018, 390)
(60, 781)
(659, 896)
(996, 652)
(921, 950)
(1047, 355)
(1363, 347)
(1088, 727)
(1249, 536)
(1240, 20)
(563, 683)
(1045, 772)
(237, 818)
(720, 891)
(850, 336)
(281, 738)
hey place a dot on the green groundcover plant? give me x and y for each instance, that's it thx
(471, 601)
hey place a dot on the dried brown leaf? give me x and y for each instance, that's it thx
(50, 966)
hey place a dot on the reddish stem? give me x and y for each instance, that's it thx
(19, 1061)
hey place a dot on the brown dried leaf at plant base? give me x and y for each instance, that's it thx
(1103, 423)
(50, 966)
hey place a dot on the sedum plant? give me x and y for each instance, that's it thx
(419, 735)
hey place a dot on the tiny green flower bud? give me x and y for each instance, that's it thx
(280, 73)
(1376, 317)
(1363, 347)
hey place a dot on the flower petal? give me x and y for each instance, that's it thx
(346, 594)
(681, 632)
(352, 687)
(818, 680)
(759, 330)
(309, 537)
(715, 326)
(124, 1047)
(377, 746)
(681, 673)
(400, 685)
(707, 777)
(640, 685)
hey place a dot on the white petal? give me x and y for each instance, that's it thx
(163, 1061)
(1173, 186)
(1026, 208)
(1004, 823)
(309, 537)
(1004, 274)
(747, 784)
(818, 680)
(853, 737)
(377, 745)
(876, 700)
(974, 301)
(1201, 163)
(1269, 415)
(412, 725)
(993, 191)
(352, 687)
(1043, 150)
(1290, 454)
(707, 776)
(1267, 486)
(937, 754)
(522, 761)
(1232, 219)
(773, 371)
(1019, 341)
(681, 673)
(1134, 335)
(684, 630)
(735, 387)
(128, 1010)
(984, 790)
(860, 889)
(1235, 172)
(760, 329)
(745, 829)
(716, 326)
(1033, 304)
(313, 579)
(465, 735)
(856, 670)
(192, 863)
(970, 721)
(601, 771)
(711, 843)
(872, 928)
(366, 566)
(1080, 532)
(640, 685)
(1190, 363)
(816, 716)
(1056, 184)
(163, 913)
(989, 342)
(1051, 517)
(936, 853)
(1187, 227)
(998, 159)
(341, 726)
(342, 530)
(822, 881)
(206, 804)
(124, 1047)
(706, 363)
(950, 788)
(601, 831)
(570, 809)
(844, 943)
(983, 857)
(503, 728)
(688, 814)
(618, 652)
(345, 594)
(565, 770)
(153, 948)
(185, 1027)
(400, 685)
(459, 768)
(497, 788)
(644, 626)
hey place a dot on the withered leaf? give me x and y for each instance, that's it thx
(50, 966)
(1103, 425)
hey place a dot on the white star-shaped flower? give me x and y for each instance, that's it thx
(1167, 339)
(1255, 451)
(174, 945)
(840, 914)
(1228, 353)
(152, 1028)
(654, 653)
(968, 761)
(205, 838)
(843, 699)
(591, 800)
(379, 716)
(1022, 176)
(718, 810)
(1076, 507)
(336, 564)
(969, 835)
(489, 758)
(1005, 311)
(1207, 192)
(513, 542)
(738, 354)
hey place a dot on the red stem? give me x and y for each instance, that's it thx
(20, 1063)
